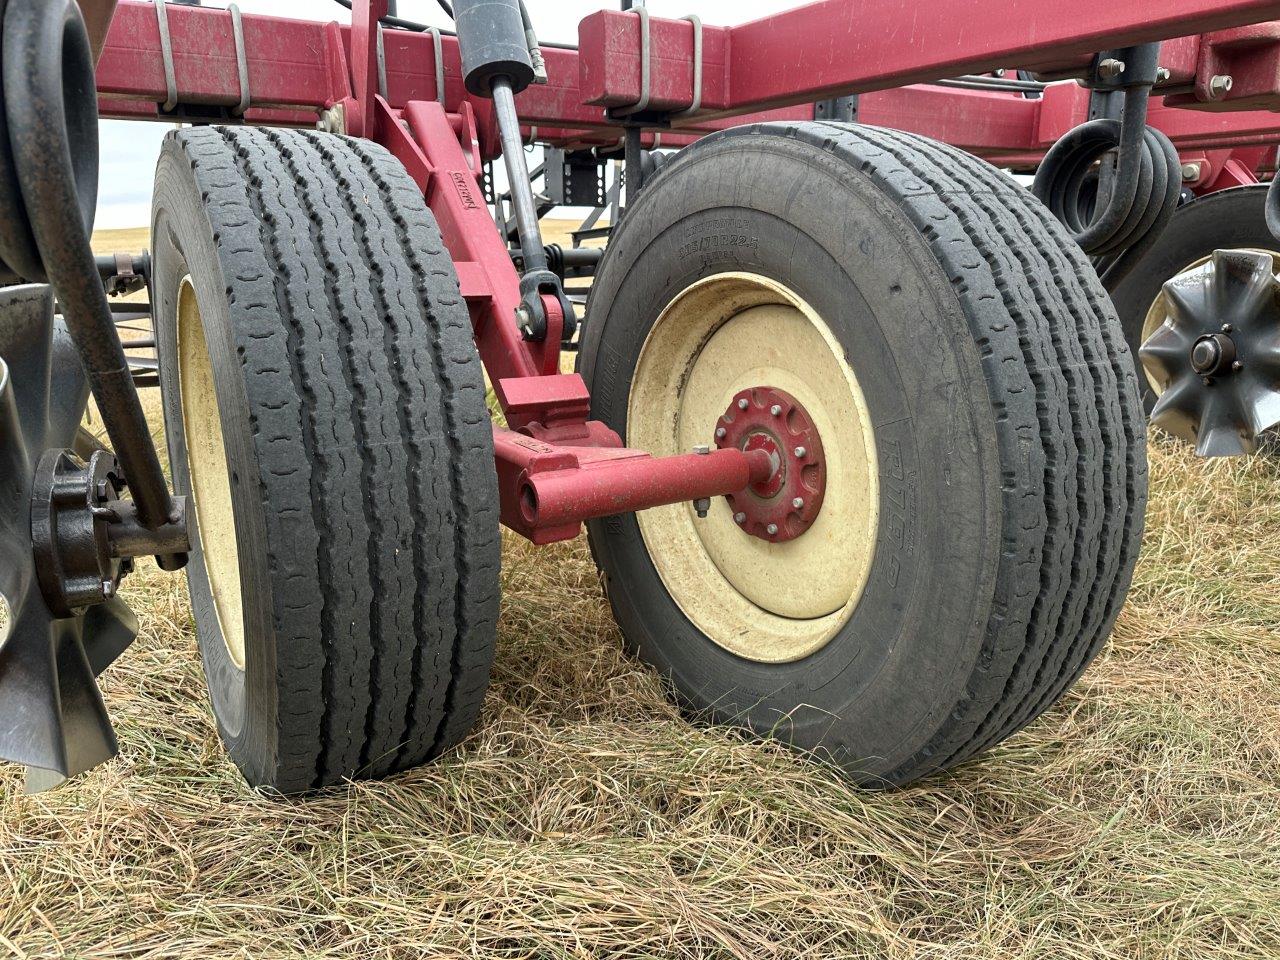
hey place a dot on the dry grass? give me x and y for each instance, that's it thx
(584, 818)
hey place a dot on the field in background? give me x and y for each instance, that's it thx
(585, 818)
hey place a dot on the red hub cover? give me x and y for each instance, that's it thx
(786, 504)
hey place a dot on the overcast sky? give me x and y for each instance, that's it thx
(129, 148)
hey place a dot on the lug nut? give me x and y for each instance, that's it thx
(771, 529)
(739, 518)
(801, 452)
(1219, 86)
(1110, 68)
(720, 433)
(742, 404)
(776, 410)
(798, 502)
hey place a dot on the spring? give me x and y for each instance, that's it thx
(1143, 195)
(47, 105)
(1273, 207)
(48, 193)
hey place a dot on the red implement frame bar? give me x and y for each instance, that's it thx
(557, 468)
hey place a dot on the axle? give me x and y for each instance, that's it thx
(548, 489)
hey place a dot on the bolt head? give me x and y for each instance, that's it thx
(801, 452)
(798, 502)
(1227, 328)
(1162, 74)
(1220, 86)
(771, 529)
(742, 404)
(1191, 172)
(1237, 365)
(776, 410)
(739, 518)
(720, 433)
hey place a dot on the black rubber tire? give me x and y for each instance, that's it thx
(1011, 441)
(359, 444)
(1229, 219)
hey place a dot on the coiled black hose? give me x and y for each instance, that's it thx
(48, 191)
(1273, 206)
(1119, 227)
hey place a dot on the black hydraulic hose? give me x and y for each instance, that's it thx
(1121, 226)
(1273, 206)
(48, 190)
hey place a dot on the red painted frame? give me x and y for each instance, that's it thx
(557, 468)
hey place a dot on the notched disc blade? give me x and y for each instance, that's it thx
(1231, 302)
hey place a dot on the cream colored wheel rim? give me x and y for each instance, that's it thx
(210, 477)
(768, 602)
(1159, 310)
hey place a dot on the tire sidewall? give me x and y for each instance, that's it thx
(244, 701)
(876, 693)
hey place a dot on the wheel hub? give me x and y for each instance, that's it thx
(786, 504)
(1213, 353)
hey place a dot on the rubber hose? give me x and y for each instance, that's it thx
(1143, 195)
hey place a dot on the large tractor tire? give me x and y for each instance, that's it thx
(1227, 220)
(326, 418)
(925, 320)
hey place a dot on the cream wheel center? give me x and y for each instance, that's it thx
(210, 476)
(767, 597)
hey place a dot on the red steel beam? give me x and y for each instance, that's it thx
(297, 68)
(832, 48)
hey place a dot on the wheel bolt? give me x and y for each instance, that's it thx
(798, 502)
(771, 529)
(801, 452)
(776, 410)
(720, 432)
(742, 404)
(739, 518)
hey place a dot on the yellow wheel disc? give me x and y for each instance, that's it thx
(210, 477)
(768, 602)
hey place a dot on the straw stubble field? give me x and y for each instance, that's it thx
(586, 818)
